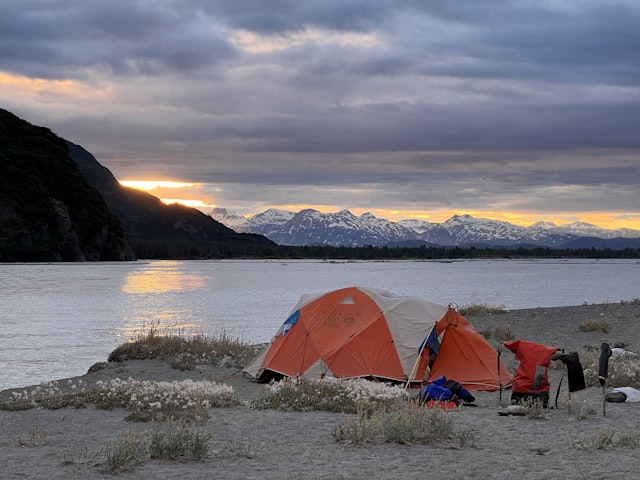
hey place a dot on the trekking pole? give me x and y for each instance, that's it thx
(603, 372)
(500, 387)
(558, 391)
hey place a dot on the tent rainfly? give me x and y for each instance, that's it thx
(366, 332)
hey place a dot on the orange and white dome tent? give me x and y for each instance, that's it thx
(367, 332)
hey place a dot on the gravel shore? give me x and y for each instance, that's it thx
(301, 445)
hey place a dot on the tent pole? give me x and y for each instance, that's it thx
(415, 365)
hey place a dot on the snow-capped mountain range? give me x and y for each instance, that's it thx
(311, 227)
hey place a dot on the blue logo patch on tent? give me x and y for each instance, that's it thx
(290, 322)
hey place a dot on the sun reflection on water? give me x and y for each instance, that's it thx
(162, 277)
(156, 295)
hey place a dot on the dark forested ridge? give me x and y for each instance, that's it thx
(57, 203)
(48, 211)
(157, 230)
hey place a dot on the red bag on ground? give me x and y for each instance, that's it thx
(532, 366)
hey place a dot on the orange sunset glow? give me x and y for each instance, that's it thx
(32, 89)
(165, 190)
(183, 193)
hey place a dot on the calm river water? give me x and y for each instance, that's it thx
(56, 320)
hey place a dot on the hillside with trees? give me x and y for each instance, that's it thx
(57, 203)
(48, 210)
(157, 230)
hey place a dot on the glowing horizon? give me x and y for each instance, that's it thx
(189, 198)
(148, 185)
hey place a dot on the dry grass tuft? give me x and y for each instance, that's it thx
(594, 325)
(633, 301)
(185, 353)
(580, 410)
(249, 450)
(125, 453)
(481, 309)
(169, 440)
(534, 408)
(504, 333)
(34, 438)
(172, 440)
(607, 439)
(329, 394)
(145, 400)
(624, 371)
(405, 423)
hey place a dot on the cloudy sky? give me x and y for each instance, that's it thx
(517, 110)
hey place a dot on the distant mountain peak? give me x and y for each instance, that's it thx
(543, 224)
(343, 228)
(226, 217)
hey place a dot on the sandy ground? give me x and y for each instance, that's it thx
(301, 445)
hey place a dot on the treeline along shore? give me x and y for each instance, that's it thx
(159, 250)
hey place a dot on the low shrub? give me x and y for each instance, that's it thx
(329, 394)
(594, 325)
(173, 440)
(248, 450)
(168, 440)
(579, 410)
(504, 333)
(145, 400)
(628, 439)
(606, 439)
(185, 352)
(487, 333)
(86, 457)
(364, 427)
(125, 453)
(534, 408)
(34, 438)
(471, 309)
(633, 301)
(404, 423)
(624, 371)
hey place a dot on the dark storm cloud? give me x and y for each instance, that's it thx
(497, 100)
(66, 39)
(286, 16)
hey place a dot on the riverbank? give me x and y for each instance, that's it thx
(247, 443)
